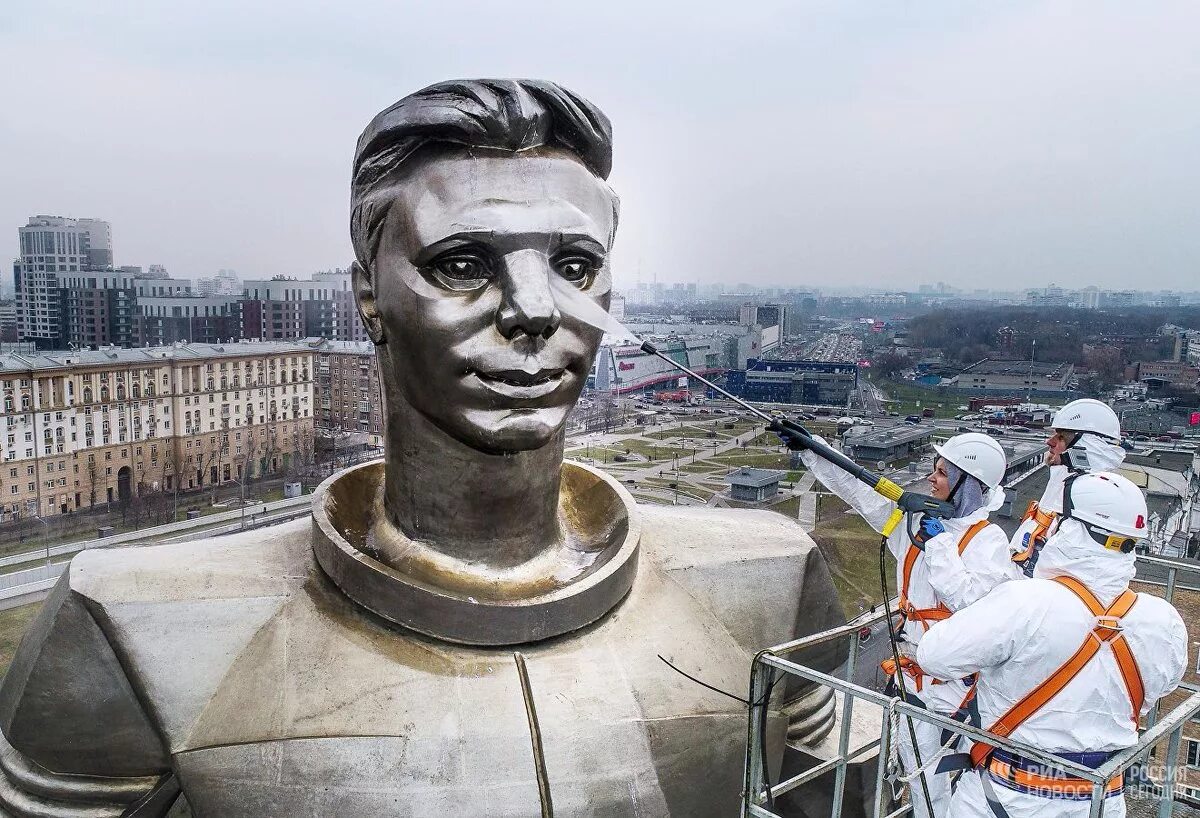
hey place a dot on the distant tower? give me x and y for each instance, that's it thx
(51, 246)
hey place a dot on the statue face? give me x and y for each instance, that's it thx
(461, 289)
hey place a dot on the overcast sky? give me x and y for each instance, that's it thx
(807, 144)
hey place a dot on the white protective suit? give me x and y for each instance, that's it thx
(1091, 453)
(940, 575)
(1020, 633)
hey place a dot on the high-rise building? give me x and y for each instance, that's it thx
(50, 247)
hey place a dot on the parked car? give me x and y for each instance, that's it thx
(994, 432)
(964, 429)
(913, 419)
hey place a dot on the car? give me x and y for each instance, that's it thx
(964, 429)
(865, 422)
(994, 432)
(913, 419)
(1164, 439)
(893, 414)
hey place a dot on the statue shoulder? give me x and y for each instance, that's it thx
(758, 571)
(66, 703)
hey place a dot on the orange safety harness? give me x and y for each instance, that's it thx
(940, 612)
(923, 615)
(1041, 530)
(1107, 631)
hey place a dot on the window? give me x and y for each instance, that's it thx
(1193, 753)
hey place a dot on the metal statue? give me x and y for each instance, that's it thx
(471, 626)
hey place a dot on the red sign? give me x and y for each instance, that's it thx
(1195, 419)
(624, 367)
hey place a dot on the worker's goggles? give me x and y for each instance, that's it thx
(1113, 542)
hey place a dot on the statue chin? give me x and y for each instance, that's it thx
(500, 431)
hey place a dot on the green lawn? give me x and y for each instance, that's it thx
(851, 549)
(757, 459)
(13, 623)
(910, 400)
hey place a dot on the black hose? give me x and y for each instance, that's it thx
(894, 641)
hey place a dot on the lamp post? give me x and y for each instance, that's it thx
(46, 534)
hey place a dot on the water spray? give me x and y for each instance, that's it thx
(573, 301)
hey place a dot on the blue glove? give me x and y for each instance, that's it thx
(931, 527)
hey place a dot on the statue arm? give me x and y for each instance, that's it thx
(76, 740)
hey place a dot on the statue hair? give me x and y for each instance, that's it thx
(512, 115)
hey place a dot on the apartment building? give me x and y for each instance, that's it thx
(347, 386)
(51, 246)
(85, 427)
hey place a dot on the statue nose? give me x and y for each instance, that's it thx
(528, 305)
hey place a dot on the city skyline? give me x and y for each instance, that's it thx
(1026, 144)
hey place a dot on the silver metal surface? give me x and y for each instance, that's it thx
(357, 664)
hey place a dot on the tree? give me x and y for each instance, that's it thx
(889, 364)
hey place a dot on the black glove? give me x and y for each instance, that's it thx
(792, 439)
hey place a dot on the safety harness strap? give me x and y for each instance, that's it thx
(1043, 520)
(940, 611)
(1107, 629)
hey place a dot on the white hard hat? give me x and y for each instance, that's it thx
(1108, 501)
(978, 455)
(1088, 415)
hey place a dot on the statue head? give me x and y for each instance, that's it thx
(467, 198)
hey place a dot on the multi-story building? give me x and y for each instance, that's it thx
(347, 388)
(50, 247)
(1158, 374)
(828, 383)
(8, 321)
(84, 427)
(1015, 377)
(188, 318)
(773, 318)
(101, 307)
(291, 308)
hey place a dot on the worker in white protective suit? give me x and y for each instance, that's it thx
(1085, 437)
(1068, 661)
(942, 566)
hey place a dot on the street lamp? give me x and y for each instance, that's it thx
(46, 534)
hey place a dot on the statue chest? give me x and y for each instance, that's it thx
(321, 709)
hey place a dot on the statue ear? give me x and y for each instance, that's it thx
(364, 296)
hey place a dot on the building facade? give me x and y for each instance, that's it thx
(285, 308)
(1015, 377)
(52, 246)
(348, 393)
(828, 383)
(87, 427)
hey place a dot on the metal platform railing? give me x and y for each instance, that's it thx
(771, 665)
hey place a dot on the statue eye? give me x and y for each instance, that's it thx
(576, 268)
(461, 270)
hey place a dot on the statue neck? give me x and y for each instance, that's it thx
(493, 510)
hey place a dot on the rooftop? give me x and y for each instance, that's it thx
(990, 367)
(894, 436)
(110, 356)
(754, 478)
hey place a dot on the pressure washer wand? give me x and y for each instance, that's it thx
(905, 500)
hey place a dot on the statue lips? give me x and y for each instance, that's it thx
(519, 385)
